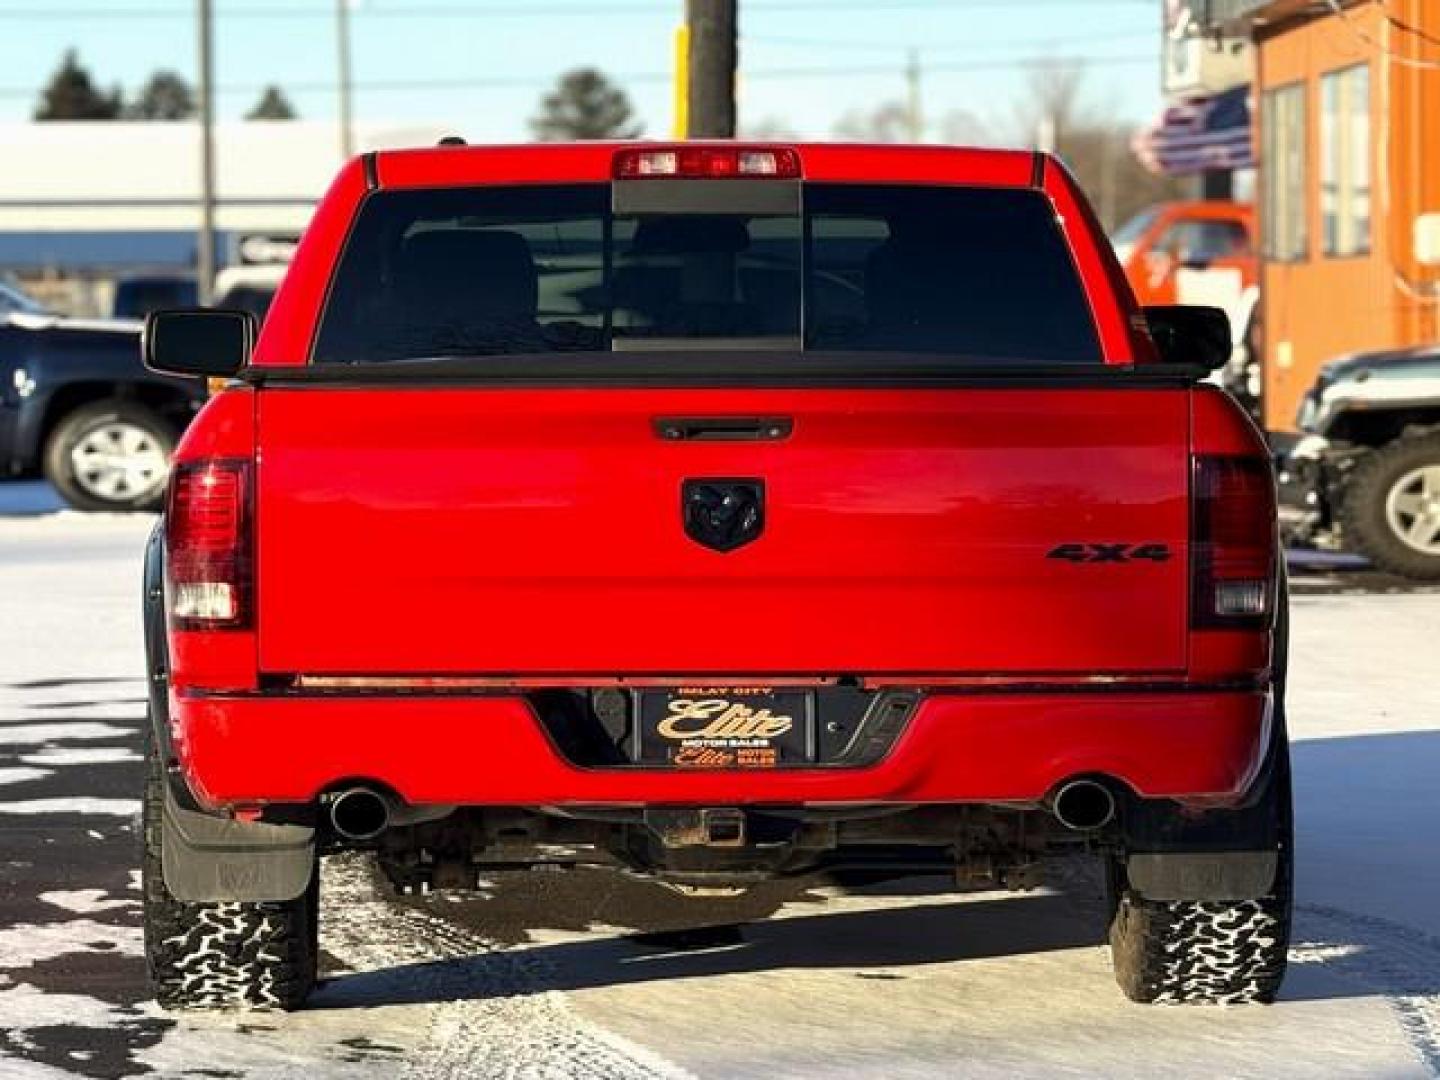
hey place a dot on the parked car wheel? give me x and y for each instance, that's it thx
(110, 455)
(222, 955)
(1391, 510)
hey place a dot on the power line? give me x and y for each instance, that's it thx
(518, 10)
(496, 82)
(946, 47)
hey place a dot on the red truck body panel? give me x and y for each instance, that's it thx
(491, 751)
(527, 536)
(537, 532)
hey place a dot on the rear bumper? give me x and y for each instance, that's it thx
(492, 750)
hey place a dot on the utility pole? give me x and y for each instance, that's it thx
(914, 116)
(342, 39)
(713, 52)
(205, 247)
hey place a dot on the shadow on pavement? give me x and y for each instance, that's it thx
(888, 938)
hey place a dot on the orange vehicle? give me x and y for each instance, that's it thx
(1164, 248)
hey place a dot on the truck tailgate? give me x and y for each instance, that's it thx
(454, 530)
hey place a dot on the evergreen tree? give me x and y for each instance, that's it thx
(165, 96)
(585, 105)
(71, 95)
(273, 105)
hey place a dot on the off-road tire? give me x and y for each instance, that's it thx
(1192, 953)
(1362, 513)
(1180, 952)
(222, 955)
(73, 428)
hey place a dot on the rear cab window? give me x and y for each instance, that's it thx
(969, 276)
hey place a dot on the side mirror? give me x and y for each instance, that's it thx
(1193, 336)
(198, 341)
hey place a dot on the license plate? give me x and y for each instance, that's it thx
(723, 728)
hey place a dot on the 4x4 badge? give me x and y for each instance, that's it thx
(723, 514)
(1093, 553)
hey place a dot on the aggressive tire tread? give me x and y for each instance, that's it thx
(221, 955)
(1185, 952)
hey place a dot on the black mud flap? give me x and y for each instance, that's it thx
(1215, 876)
(209, 859)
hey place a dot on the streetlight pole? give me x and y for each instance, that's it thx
(205, 247)
(342, 36)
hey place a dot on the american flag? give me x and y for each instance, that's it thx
(1198, 135)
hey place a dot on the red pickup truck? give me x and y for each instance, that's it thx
(721, 513)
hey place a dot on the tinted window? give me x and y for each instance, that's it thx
(137, 298)
(983, 274)
(980, 272)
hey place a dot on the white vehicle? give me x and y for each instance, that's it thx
(248, 288)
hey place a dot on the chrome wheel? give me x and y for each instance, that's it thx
(119, 462)
(1412, 509)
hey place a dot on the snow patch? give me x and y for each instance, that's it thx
(78, 804)
(20, 775)
(40, 734)
(85, 901)
(25, 944)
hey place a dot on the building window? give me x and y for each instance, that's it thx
(1283, 119)
(1345, 161)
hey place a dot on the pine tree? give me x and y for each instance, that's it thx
(165, 96)
(273, 105)
(71, 95)
(585, 105)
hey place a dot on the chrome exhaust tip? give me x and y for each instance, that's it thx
(359, 813)
(1083, 805)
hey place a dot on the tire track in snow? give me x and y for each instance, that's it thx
(1400, 964)
(490, 1012)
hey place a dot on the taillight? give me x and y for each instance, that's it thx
(1233, 542)
(207, 531)
(707, 161)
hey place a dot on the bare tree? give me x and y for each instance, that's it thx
(770, 129)
(888, 122)
(1052, 107)
(1056, 116)
(961, 127)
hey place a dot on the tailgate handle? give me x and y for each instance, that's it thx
(723, 428)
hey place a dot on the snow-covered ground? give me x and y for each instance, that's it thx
(545, 976)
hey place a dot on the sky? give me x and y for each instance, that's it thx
(480, 67)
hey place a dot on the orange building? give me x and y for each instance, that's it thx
(1348, 106)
